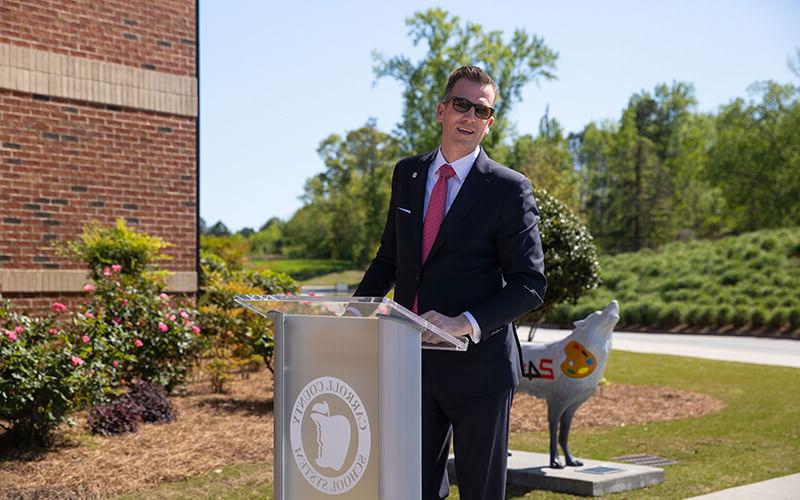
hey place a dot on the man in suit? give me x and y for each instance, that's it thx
(462, 248)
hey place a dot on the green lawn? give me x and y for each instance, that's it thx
(301, 269)
(756, 436)
(235, 482)
(351, 277)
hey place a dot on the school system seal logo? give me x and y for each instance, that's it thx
(330, 435)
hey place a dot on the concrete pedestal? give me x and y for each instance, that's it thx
(594, 478)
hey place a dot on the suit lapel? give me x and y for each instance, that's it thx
(417, 191)
(471, 191)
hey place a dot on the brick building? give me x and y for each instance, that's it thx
(98, 120)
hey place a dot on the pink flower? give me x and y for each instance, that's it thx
(12, 336)
(106, 271)
(116, 268)
(164, 296)
(124, 302)
(171, 317)
(138, 343)
(85, 339)
(311, 294)
(114, 363)
(59, 307)
(195, 329)
(89, 315)
(88, 288)
(184, 315)
(53, 331)
(76, 361)
(162, 326)
(116, 321)
(19, 330)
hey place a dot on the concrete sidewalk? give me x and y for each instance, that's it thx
(779, 488)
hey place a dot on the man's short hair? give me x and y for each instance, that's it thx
(473, 73)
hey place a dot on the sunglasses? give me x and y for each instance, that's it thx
(462, 106)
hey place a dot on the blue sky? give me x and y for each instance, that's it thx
(278, 77)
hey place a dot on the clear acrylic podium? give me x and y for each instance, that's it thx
(347, 395)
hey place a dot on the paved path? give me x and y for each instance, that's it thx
(762, 351)
(773, 489)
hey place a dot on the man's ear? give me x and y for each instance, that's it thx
(440, 113)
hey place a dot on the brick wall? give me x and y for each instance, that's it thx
(65, 164)
(74, 155)
(150, 34)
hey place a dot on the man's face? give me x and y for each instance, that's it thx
(463, 132)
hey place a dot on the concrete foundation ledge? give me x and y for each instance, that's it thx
(73, 280)
(595, 478)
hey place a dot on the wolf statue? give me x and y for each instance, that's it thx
(566, 373)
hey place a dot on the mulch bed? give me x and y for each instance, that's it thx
(215, 430)
(618, 405)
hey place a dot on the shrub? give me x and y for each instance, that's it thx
(137, 331)
(102, 247)
(794, 250)
(569, 254)
(768, 243)
(694, 315)
(134, 329)
(777, 319)
(758, 317)
(794, 317)
(740, 316)
(629, 314)
(671, 315)
(707, 316)
(41, 379)
(650, 312)
(121, 415)
(230, 330)
(559, 315)
(231, 249)
(145, 402)
(723, 315)
(581, 311)
(156, 405)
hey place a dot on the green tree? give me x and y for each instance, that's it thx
(269, 239)
(642, 182)
(756, 158)
(219, 229)
(451, 44)
(547, 161)
(346, 204)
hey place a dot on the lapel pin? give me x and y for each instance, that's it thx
(414, 175)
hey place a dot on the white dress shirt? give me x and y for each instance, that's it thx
(462, 166)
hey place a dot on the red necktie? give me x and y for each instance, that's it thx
(435, 214)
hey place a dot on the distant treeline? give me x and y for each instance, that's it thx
(661, 172)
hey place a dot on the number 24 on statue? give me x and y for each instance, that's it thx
(545, 369)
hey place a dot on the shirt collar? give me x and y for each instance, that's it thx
(461, 165)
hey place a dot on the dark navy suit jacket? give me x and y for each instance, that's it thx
(487, 259)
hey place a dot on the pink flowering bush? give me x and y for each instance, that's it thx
(129, 330)
(150, 335)
(42, 376)
(136, 330)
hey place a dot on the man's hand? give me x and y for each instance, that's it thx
(458, 326)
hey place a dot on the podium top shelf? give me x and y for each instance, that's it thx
(433, 337)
